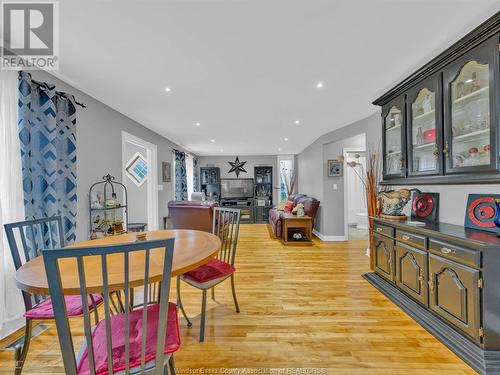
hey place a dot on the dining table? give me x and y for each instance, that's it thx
(192, 248)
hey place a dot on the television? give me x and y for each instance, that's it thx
(235, 188)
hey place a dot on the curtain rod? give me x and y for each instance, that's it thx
(46, 85)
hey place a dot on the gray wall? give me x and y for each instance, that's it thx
(99, 148)
(251, 162)
(313, 177)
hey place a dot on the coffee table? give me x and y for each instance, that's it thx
(290, 221)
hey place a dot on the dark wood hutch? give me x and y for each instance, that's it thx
(441, 125)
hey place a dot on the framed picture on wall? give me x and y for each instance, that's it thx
(335, 168)
(166, 171)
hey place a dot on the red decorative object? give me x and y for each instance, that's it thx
(289, 206)
(487, 148)
(473, 150)
(481, 212)
(430, 135)
(424, 206)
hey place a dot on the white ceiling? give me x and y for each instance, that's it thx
(246, 70)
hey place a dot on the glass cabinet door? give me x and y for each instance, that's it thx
(470, 141)
(394, 150)
(424, 128)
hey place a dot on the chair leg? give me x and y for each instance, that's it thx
(234, 294)
(203, 312)
(21, 352)
(179, 302)
(213, 293)
(171, 364)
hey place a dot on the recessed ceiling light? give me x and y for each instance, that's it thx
(212, 140)
(168, 89)
(198, 124)
(279, 149)
(319, 85)
(297, 122)
(221, 150)
(285, 139)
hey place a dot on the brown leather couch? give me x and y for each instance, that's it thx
(311, 206)
(191, 215)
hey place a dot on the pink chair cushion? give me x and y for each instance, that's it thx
(73, 307)
(212, 270)
(172, 340)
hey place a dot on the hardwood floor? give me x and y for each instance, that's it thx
(301, 307)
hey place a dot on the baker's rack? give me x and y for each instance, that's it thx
(108, 216)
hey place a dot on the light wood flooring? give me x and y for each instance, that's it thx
(301, 307)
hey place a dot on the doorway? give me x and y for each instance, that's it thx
(141, 183)
(356, 213)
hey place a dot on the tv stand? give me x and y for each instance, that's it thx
(244, 204)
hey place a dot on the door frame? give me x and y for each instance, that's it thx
(346, 203)
(152, 181)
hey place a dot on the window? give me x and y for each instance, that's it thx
(286, 175)
(189, 175)
(137, 169)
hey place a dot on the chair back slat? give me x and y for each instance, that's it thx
(86, 315)
(26, 241)
(226, 226)
(145, 312)
(107, 314)
(161, 248)
(126, 291)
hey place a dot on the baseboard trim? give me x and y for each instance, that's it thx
(483, 361)
(325, 238)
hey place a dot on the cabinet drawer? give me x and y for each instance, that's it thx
(415, 240)
(457, 253)
(383, 230)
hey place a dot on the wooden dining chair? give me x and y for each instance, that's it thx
(26, 241)
(140, 341)
(226, 224)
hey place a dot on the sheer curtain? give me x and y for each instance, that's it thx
(11, 201)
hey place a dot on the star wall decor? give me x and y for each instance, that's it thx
(237, 166)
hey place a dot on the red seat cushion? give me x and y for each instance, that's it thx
(73, 307)
(289, 206)
(212, 270)
(172, 340)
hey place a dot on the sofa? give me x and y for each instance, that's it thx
(311, 206)
(196, 215)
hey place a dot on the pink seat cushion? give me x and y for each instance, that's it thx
(172, 340)
(212, 270)
(73, 307)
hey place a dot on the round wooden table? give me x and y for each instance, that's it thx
(192, 248)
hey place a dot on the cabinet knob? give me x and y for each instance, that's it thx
(446, 250)
(405, 237)
(379, 230)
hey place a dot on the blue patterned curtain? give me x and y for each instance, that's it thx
(180, 176)
(196, 175)
(47, 131)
